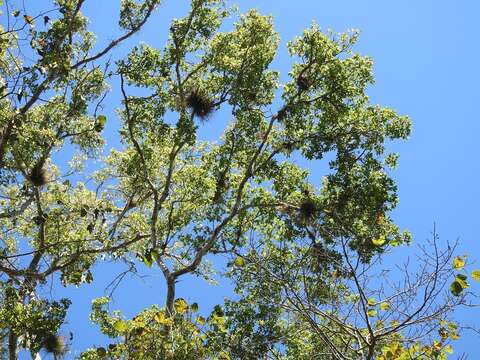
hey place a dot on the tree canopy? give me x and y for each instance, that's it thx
(304, 254)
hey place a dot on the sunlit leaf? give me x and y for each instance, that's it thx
(161, 319)
(379, 241)
(452, 326)
(239, 261)
(384, 306)
(120, 325)
(458, 263)
(224, 356)
(454, 336)
(476, 275)
(462, 280)
(181, 306)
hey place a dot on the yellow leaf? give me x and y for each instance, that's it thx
(372, 312)
(449, 349)
(452, 326)
(454, 336)
(379, 241)
(462, 280)
(160, 318)
(224, 356)
(201, 320)
(443, 334)
(181, 306)
(476, 275)
(239, 261)
(458, 263)
(372, 302)
(120, 325)
(384, 306)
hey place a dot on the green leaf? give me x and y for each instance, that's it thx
(456, 288)
(155, 255)
(120, 325)
(194, 307)
(476, 275)
(462, 279)
(16, 13)
(372, 312)
(147, 259)
(239, 261)
(372, 302)
(101, 121)
(458, 263)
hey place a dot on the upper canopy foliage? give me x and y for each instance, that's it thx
(301, 251)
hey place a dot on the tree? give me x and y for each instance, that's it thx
(304, 258)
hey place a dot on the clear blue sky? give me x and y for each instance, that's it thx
(426, 66)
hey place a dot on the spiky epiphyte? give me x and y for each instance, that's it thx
(307, 209)
(38, 176)
(303, 82)
(288, 145)
(200, 103)
(282, 113)
(55, 344)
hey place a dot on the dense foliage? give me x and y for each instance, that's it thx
(304, 253)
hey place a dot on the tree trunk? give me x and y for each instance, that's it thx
(12, 346)
(170, 296)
